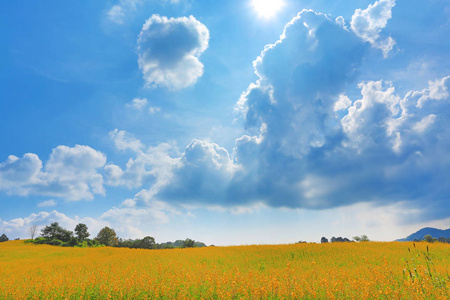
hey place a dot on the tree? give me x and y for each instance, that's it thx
(324, 240)
(4, 238)
(107, 236)
(188, 243)
(33, 230)
(56, 232)
(81, 231)
(428, 238)
(147, 243)
(362, 238)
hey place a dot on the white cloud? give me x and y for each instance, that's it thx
(372, 113)
(135, 216)
(310, 146)
(437, 90)
(47, 203)
(152, 165)
(368, 23)
(19, 227)
(343, 103)
(154, 109)
(124, 141)
(70, 173)
(118, 12)
(138, 103)
(341, 21)
(141, 103)
(16, 174)
(169, 50)
(126, 9)
(203, 174)
(425, 123)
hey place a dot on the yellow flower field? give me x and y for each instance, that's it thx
(298, 271)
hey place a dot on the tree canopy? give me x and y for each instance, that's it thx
(362, 238)
(81, 231)
(188, 243)
(56, 232)
(4, 238)
(107, 237)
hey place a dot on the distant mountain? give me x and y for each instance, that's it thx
(434, 232)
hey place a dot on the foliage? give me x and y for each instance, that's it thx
(339, 239)
(324, 240)
(55, 235)
(188, 243)
(297, 271)
(107, 237)
(81, 231)
(56, 232)
(444, 240)
(428, 238)
(178, 244)
(4, 238)
(362, 238)
(146, 243)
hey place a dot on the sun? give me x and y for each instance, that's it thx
(267, 8)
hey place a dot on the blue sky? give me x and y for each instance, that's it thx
(228, 122)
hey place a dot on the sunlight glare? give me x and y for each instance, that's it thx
(267, 8)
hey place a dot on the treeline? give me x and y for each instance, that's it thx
(362, 238)
(428, 238)
(55, 235)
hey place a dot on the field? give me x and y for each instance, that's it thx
(297, 271)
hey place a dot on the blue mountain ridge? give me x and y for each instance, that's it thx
(434, 232)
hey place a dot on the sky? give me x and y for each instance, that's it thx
(227, 122)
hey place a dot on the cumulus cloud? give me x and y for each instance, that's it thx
(69, 173)
(152, 165)
(203, 174)
(19, 227)
(128, 222)
(309, 144)
(124, 141)
(169, 51)
(368, 23)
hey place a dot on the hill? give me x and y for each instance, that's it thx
(434, 232)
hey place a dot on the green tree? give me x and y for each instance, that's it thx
(362, 238)
(147, 243)
(107, 236)
(188, 243)
(56, 232)
(81, 231)
(428, 238)
(4, 238)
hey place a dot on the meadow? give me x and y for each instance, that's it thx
(371, 270)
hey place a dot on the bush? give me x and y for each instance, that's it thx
(39, 240)
(55, 243)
